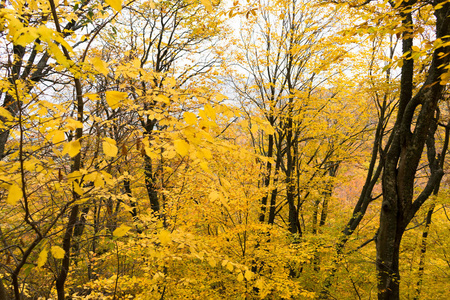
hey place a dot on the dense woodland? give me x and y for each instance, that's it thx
(259, 149)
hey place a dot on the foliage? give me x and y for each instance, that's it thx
(156, 150)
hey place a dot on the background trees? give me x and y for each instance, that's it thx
(147, 151)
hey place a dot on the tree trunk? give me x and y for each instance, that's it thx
(423, 250)
(150, 184)
(267, 178)
(388, 249)
(274, 193)
(402, 160)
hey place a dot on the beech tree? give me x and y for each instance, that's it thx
(289, 52)
(154, 150)
(416, 122)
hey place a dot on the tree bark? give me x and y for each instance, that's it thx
(267, 178)
(423, 250)
(402, 162)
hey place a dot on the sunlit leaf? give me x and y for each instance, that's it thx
(25, 36)
(72, 124)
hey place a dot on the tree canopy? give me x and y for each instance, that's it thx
(185, 149)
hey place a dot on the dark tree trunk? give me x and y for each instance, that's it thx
(402, 160)
(150, 184)
(423, 250)
(274, 193)
(267, 178)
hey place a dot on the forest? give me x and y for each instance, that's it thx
(214, 149)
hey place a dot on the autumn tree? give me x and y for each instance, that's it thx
(288, 52)
(416, 121)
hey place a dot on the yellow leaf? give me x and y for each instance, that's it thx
(214, 195)
(98, 182)
(204, 166)
(150, 153)
(58, 137)
(208, 5)
(136, 63)
(210, 112)
(260, 284)
(230, 267)
(190, 118)
(240, 277)
(5, 114)
(57, 252)
(181, 147)
(248, 275)
(73, 124)
(113, 98)
(162, 98)
(211, 261)
(109, 147)
(42, 258)
(77, 189)
(25, 36)
(100, 66)
(169, 82)
(72, 148)
(206, 153)
(164, 237)
(14, 195)
(116, 4)
(121, 231)
(93, 97)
